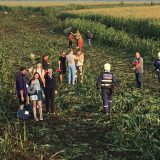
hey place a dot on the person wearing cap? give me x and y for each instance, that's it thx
(138, 69)
(106, 82)
(157, 66)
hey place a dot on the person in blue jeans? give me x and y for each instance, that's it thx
(71, 67)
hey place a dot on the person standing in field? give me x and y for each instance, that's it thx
(45, 63)
(21, 88)
(106, 82)
(157, 66)
(70, 40)
(62, 65)
(77, 34)
(50, 91)
(89, 38)
(36, 91)
(40, 70)
(71, 67)
(80, 43)
(138, 69)
(80, 61)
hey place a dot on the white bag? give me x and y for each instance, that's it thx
(33, 97)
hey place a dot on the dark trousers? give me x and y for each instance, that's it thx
(107, 99)
(70, 44)
(158, 73)
(139, 80)
(50, 95)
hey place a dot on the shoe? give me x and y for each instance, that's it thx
(36, 119)
(41, 119)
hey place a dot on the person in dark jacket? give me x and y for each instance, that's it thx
(157, 66)
(106, 82)
(21, 88)
(50, 90)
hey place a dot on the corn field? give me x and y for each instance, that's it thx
(79, 130)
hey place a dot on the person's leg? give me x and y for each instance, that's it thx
(52, 101)
(77, 42)
(110, 100)
(158, 73)
(70, 44)
(39, 103)
(47, 100)
(140, 81)
(105, 100)
(73, 68)
(89, 42)
(34, 103)
(137, 79)
(22, 103)
(69, 74)
(81, 73)
(61, 77)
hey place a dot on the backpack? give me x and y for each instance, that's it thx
(25, 113)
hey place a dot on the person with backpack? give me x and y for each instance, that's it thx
(71, 67)
(50, 91)
(36, 95)
(106, 82)
(21, 88)
(62, 65)
(138, 69)
(157, 66)
(89, 38)
(70, 40)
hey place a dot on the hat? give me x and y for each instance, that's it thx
(159, 55)
(107, 67)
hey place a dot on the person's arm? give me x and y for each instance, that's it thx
(98, 82)
(114, 79)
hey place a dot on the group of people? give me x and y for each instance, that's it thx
(79, 39)
(33, 84)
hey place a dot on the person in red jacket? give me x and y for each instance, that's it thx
(70, 40)
(80, 43)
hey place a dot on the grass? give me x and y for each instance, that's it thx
(79, 130)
